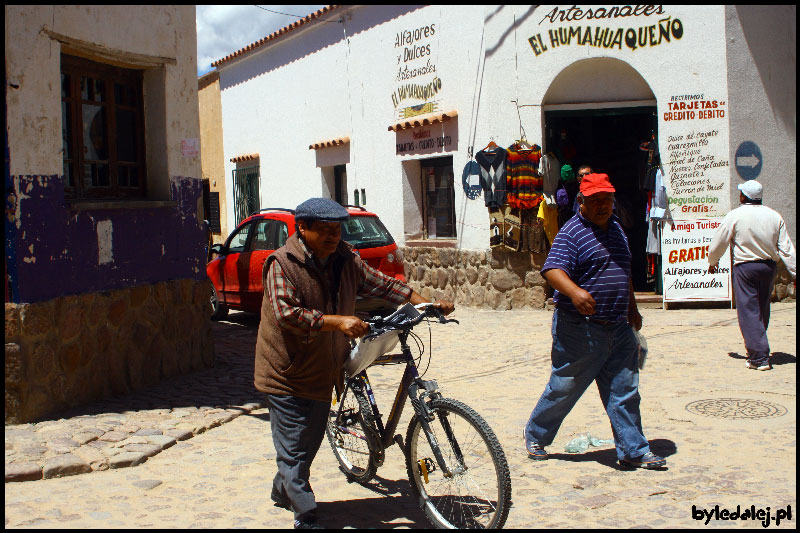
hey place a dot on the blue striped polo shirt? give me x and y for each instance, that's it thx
(597, 261)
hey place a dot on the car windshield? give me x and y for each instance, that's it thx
(365, 232)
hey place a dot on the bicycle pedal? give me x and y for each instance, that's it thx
(426, 466)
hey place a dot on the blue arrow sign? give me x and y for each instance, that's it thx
(748, 160)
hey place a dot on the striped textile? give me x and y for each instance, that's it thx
(597, 261)
(293, 317)
(523, 181)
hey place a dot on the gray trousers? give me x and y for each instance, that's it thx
(298, 426)
(752, 286)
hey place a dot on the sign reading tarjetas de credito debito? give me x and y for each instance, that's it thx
(684, 249)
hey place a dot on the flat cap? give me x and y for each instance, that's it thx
(323, 209)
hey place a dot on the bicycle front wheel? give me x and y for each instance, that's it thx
(353, 436)
(476, 492)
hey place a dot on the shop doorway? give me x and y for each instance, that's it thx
(439, 213)
(609, 140)
(340, 184)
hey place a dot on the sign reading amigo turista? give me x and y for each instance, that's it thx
(684, 249)
(417, 84)
(574, 28)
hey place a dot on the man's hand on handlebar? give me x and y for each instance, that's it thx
(351, 326)
(445, 306)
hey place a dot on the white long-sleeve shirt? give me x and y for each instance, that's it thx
(757, 233)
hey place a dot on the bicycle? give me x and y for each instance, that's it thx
(455, 464)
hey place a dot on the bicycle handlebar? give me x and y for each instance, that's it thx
(378, 325)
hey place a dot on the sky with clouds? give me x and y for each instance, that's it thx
(222, 30)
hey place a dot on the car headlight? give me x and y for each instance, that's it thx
(390, 258)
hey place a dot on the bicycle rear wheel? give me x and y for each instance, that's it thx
(353, 436)
(478, 493)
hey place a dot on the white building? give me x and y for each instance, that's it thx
(386, 106)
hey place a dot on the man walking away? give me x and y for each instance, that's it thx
(589, 265)
(759, 238)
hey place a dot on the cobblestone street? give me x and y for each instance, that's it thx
(197, 451)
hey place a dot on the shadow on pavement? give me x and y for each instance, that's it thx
(781, 358)
(395, 508)
(777, 358)
(608, 457)
(226, 385)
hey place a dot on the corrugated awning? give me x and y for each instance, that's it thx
(328, 144)
(423, 120)
(246, 157)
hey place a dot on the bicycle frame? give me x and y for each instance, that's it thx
(410, 385)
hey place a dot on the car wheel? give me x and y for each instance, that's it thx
(218, 310)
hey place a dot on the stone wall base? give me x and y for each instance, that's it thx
(494, 279)
(498, 279)
(72, 350)
(785, 289)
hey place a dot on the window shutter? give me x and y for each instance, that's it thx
(213, 215)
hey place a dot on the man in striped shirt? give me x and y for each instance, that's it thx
(589, 265)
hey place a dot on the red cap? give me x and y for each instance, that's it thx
(594, 183)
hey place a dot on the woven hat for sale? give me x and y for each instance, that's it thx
(323, 209)
(752, 189)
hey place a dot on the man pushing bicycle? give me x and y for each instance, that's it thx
(307, 316)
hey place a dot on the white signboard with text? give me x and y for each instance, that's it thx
(684, 248)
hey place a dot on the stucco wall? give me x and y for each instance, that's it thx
(314, 85)
(55, 247)
(762, 84)
(211, 153)
(98, 289)
(33, 63)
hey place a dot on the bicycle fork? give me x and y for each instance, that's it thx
(420, 404)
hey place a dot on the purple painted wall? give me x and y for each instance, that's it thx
(56, 251)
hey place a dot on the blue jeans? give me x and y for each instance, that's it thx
(585, 351)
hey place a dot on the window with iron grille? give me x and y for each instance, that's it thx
(245, 192)
(102, 129)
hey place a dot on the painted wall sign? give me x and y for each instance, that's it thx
(597, 37)
(190, 147)
(430, 140)
(425, 145)
(417, 83)
(748, 160)
(664, 30)
(602, 12)
(696, 159)
(684, 248)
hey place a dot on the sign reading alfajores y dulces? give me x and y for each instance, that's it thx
(417, 84)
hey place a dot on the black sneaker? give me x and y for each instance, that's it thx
(648, 461)
(307, 524)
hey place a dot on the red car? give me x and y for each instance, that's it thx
(235, 273)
